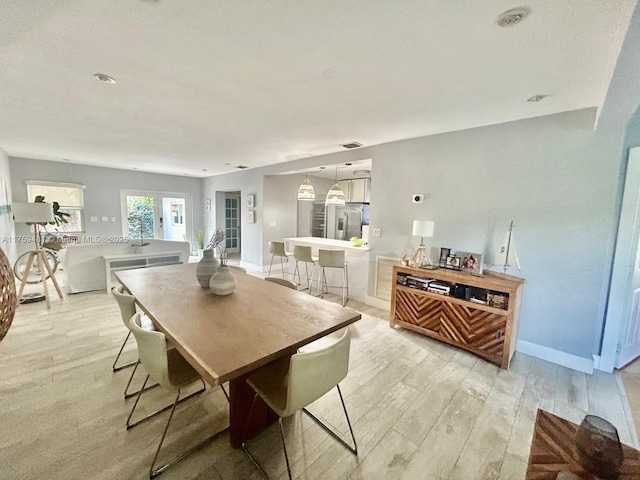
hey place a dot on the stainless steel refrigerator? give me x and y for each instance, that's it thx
(346, 222)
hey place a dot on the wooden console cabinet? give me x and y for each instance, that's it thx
(488, 331)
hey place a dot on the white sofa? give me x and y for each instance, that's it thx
(84, 267)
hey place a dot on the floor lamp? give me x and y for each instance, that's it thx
(422, 228)
(38, 212)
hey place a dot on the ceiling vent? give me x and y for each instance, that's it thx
(241, 167)
(351, 145)
(536, 98)
(513, 16)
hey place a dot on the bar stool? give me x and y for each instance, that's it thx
(276, 249)
(303, 254)
(333, 259)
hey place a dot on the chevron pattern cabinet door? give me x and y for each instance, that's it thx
(419, 310)
(475, 328)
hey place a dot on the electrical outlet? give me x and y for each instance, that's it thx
(93, 219)
(375, 232)
(418, 198)
(105, 219)
(113, 219)
(272, 224)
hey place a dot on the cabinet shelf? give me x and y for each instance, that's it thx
(489, 332)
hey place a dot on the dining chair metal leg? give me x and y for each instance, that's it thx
(154, 472)
(144, 419)
(244, 434)
(284, 447)
(116, 369)
(128, 394)
(282, 267)
(353, 449)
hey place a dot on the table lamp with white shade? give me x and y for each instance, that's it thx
(35, 213)
(422, 228)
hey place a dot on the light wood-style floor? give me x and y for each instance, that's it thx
(420, 409)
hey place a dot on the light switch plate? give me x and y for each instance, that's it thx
(113, 219)
(375, 232)
(272, 224)
(93, 219)
(105, 219)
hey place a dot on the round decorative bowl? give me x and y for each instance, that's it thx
(356, 242)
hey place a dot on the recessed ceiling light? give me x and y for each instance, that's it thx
(204, 169)
(66, 160)
(134, 168)
(513, 16)
(241, 167)
(537, 98)
(186, 174)
(351, 145)
(102, 78)
(227, 163)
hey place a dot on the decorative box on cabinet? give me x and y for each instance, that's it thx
(488, 331)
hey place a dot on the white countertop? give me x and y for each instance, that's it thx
(326, 242)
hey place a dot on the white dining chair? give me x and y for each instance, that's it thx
(172, 371)
(282, 281)
(276, 249)
(289, 385)
(302, 253)
(333, 259)
(127, 305)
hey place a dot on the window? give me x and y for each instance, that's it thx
(70, 196)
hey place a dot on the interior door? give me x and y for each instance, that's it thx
(232, 225)
(621, 340)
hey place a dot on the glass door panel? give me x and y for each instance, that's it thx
(140, 217)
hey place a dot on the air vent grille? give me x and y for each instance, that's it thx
(241, 167)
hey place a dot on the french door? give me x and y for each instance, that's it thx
(165, 216)
(232, 224)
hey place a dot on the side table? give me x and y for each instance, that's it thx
(552, 451)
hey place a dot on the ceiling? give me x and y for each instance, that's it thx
(204, 86)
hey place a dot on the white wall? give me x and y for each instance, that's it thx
(554, 175)
(7, 230)
(102, 192)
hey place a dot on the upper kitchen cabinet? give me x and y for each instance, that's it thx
(356, 190)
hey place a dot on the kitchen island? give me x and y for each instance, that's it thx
(357, 261)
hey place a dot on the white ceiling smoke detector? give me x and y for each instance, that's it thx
(537, 98)
(513, 16)
(102, 78)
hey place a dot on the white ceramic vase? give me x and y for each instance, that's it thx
(222, 282)
(207, 266)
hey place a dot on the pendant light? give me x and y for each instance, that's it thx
(335, 197)
(305, 191)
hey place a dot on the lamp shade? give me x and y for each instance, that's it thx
(38, 212)
(423, 228)
(306, 192)
(335, 197)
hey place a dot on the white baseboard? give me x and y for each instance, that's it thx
(556, 356)
(378, 303)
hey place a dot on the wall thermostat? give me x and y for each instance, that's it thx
(418, 198)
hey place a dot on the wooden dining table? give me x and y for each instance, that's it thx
(226, 338)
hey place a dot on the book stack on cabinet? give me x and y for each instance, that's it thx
(480, 314)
